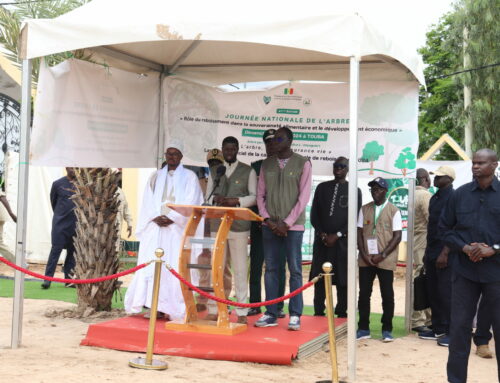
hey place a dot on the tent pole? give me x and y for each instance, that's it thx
(161, 125)
(409, 254)
(352, 265)
(22, 204)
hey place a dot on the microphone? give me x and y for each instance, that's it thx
(221, 170)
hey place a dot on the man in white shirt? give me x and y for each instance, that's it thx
(160, 226)
(379, 234)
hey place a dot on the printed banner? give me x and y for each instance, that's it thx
(318, 115)
(90, 116)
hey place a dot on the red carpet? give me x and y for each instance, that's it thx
(271, 345)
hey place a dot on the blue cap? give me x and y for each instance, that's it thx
(380, 182)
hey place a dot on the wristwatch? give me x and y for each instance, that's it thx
(339, 234)
(496, 247)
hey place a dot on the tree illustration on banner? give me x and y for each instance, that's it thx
(372, 152)
(406, 160)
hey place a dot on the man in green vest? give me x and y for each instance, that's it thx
(236, 188)
(283, 191)
(214, 160)
(379, 234)
(257, 246)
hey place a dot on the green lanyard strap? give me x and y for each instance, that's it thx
(377, 215)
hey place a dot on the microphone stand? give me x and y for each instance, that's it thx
(216, 185)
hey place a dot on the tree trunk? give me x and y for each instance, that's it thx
(96, 254)
(371, 168)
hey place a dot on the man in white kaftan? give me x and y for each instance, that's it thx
(159, 226)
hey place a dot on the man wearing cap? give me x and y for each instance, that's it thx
(379, 234)
(329, 219)
(236, 188)
(283, 192)
(473, 231)
(256, 245)
(214, 160)
(161, 227)
(421, 318)
(437, 267)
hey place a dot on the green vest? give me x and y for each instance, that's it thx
(384, 233)
(235, 186)
(283, 186)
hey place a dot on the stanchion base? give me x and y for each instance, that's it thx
(141, 363)
(329, 381)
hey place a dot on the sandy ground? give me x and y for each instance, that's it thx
(51, 353)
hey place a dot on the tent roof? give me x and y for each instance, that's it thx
(251, 41)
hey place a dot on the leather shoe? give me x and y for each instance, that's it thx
(45, 285)
(242, 319)
(201, 307)
(483, 351)
(212, 317)
(420, 329)
(254, 311)
(159, 315)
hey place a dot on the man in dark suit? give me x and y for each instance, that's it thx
(63, 227)
(472, 216)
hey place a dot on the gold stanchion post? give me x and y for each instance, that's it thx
(149, 363)
(327, 268)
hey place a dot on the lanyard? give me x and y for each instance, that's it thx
(376, 213)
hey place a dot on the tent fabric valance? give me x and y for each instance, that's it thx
(257, 33)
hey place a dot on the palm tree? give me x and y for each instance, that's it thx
(95, 197)
(96, 253)
(11, 17)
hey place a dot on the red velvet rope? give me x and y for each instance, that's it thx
(238, 304)
(75, 281)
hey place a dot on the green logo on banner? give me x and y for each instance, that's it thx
(288, 111)
(267, 99)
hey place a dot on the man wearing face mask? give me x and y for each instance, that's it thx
(379, 234)
(236, 188)
(329, 219)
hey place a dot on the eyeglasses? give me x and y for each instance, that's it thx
(339, 166)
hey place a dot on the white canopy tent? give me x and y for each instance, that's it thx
(215, 43)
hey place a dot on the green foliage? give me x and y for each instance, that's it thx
(57, 292)
(479, 20)
(406, 160)
(10, 27)
(441, 105)
(372, 151)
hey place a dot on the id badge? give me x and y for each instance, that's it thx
(372, 246)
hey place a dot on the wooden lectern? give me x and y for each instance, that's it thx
(227, 216)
